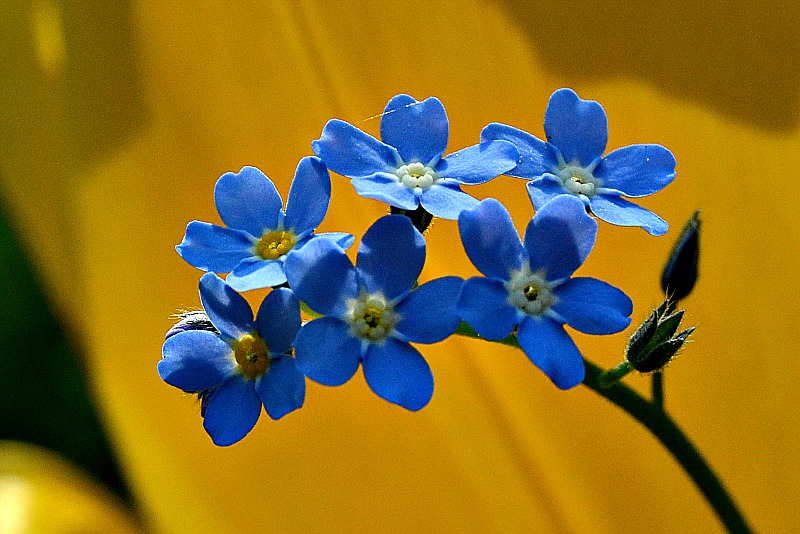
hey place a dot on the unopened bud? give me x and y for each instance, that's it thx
(680, 271)
(655, 342)
(191, 320)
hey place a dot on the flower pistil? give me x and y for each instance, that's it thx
(252, 355)
(578, 180)
(413, 175)
(530, 292)
(372, 318)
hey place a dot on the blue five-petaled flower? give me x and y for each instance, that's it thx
(245, 364)
(371, 313)
(407, 169)
(259, 234)
(527, 285)
(571, 162)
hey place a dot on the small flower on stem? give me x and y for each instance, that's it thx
(571, 162)
(242, 364)
(406, 169)
(371, 312)
(259, 234)
(527, 286)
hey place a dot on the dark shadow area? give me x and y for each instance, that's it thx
(44, 398)
(70, 95)
(736, 57)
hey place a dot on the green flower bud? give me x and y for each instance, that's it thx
(655, 342)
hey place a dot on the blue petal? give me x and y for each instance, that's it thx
(398, 373)
(544, 189)
(391, 256)
(309, 196)
(535, 156)
(430, 312)
(616, 210)
(278, 319)
(195, 360)
(490, 239)
(226, 308)
(479, 163)
(560, 237)
(592, 306)
(637, 170)
(257, 273)
(232, 411)
(326, 352)
(248, 201)
(213, 248)
(446, 200)
(322, 276)
(551, 349)
(350, 152)
(385, 187)
(483, 304)
(283, 388)
(342, 239)
(578, 128)
(418, 130)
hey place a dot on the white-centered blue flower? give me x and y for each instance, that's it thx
(259, 234)
(527, 286)
(371, 312)
(571, 162)
(406, 169)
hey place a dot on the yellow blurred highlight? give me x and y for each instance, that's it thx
(498, 449)
(42, 494)
(48, 34)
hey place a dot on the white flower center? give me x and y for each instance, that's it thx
(372, 318)
(413, 175)
(530, 292)
(578, 180)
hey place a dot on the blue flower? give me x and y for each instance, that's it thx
(370, 312)
(527, 286)
(259, 234)
(571, 162)
(407, 170)
(243, 364)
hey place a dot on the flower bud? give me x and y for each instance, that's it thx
(680, 272)
(655, 342)
(191, 320)
(194, 320)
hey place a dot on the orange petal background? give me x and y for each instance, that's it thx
(118, 120)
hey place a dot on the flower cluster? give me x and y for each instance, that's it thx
(369, 313)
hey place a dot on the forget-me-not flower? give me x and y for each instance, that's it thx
(571, 162)
(240, 366)
(406, 169)
(371, 313)
(259, 234)
(527, 286)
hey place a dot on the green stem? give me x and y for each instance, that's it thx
(661, 425)
(658, 389)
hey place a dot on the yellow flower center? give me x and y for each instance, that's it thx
(275, 244)
(252, 355)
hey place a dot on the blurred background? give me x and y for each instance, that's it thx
(116, 119)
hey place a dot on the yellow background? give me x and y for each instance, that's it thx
(118, 119)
